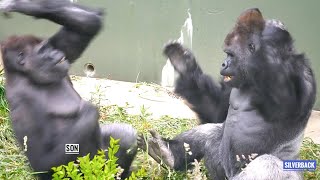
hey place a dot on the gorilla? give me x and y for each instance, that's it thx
(264, 100)
(46, 111)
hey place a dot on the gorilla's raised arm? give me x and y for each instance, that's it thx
(80, 24)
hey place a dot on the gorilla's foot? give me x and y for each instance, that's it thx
(181, 58)
(157, 148)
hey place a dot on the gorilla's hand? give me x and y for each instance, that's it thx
(157, 148)
(181, 58)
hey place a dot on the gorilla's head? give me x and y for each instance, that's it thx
(252, 43)
(31, 57)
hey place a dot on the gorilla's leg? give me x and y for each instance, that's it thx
(128, 143)
(208, 99)
(267, 167)
(80, 24)
(179, 152)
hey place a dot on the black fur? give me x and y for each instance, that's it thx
(44, 107)
(265, 100)
(205, 97)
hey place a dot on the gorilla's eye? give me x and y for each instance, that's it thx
(229, 54)
(21, 58)
(21, 55)
(252, 48)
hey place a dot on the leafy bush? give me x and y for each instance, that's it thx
(96, 169)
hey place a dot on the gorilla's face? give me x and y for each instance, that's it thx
(33, 58)
(46, 65)
(252, 43)
(241, 46)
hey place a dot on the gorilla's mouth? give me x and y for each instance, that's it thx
(227, 78)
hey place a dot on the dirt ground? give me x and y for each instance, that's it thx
(158, 100)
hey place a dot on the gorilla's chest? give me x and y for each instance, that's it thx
(244, 127)
(245, 131)
(239, 101)
(63, 102)
(53, 102)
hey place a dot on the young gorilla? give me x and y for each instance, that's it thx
(46, 111)
(272, 93)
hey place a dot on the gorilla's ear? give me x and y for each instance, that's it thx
(251, 19)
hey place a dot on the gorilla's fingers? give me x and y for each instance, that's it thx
(174, 51)
(181, 58)
(43, 46)
(141, 142)
(155, 134)
(159, 150)
(173, 48)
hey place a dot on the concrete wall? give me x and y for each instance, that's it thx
(130, 46)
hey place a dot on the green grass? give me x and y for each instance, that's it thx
(311, 150)
(14, 165)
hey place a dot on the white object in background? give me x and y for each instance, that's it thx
(169, 75)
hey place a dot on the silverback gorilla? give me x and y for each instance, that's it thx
(44, 107)
(264, 102)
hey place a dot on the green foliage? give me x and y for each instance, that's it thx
(96, 169)
(166, 125)
(3, 101)
(311, 150)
